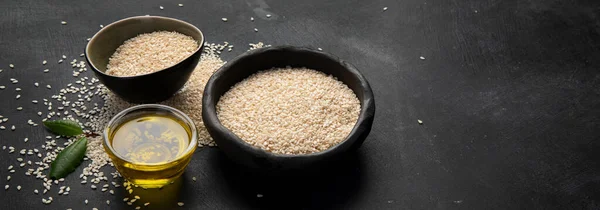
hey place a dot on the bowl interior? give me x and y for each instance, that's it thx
(107, 40)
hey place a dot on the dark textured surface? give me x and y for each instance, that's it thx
(509, 93)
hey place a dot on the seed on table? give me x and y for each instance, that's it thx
(180, 203)
(60, 61)
(385, 9)
(46, 70)
(6, 187)
(48, 86)
(19, 187)
(161, 7)
(17, 89)
(12, 66)
(268, 15)
(2, 87)
(224, 19)
(422, 58)
(19, 108)
(44, 62)
(64, 56)
(251, 18)
(63, 22)
(8, 178)
(255, 29)
(36, 84)
(181, 5)
(146, 204)
(18, 96)
(420, 122)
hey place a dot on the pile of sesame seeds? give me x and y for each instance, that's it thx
(290, 111)
(89, 103)
(150, 52)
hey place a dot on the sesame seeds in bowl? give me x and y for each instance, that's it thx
(145, 59)
(280, 108)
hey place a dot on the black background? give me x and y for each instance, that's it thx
(509, 92)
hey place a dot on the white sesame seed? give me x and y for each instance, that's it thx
(180, 203)
(6, 187)
(36, 84)
(48, 86)
(194, 178)
(35, 191)
(2, 87)
(107, 202)
(19, 108)
(8, 178)
(101, 26)
(385, 8)
(63, 22)
(268, 15)
(17, 89)
(161, 7)
(46, 70)
(420, 121)
(44, 62)
(18, 96)
(146, 204)
(251, 18)
(86, 201)
(320, 49)
(259, 195)
(422, 58)
(255, 29)
(224, 19)
(11, 66)
(19, 187)
(181, 5)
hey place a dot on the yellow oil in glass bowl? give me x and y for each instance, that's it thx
(150, 145)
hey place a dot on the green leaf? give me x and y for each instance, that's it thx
(64, 127)
(68, 159)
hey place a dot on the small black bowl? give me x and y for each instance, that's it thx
(281, 57)
(146, 88)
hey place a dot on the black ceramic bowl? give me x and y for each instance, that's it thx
(146, 88)
(281, 57)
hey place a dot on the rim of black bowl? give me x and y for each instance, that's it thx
(200, 43)
(366, 110)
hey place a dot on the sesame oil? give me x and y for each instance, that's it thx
(152, 149)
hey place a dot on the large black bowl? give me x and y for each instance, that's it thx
(147, 88)
(280, 57)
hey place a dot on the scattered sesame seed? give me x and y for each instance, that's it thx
(268, 15)
(36, 84)
(259, 195)
(12, 66)
(181, 5)
(422, 58)
(19, 187)
(420, 122)
(146, 204)
(161, 7)
(60, 61)
(63, 22)
(255, 29)
(8, 178)
(180, 203)
(44, 62)
(107, 202)
(2, 87)
(17, 89)
(86, 201)
(320, 49)
(64, 56)
(13, 128)
(48, 86)
(194, 178)
(19, 108)
(6, 187)
(224, 19)
(18, 96)
(385, 8)
(101, 26)
(35, 191)
(46, 70)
